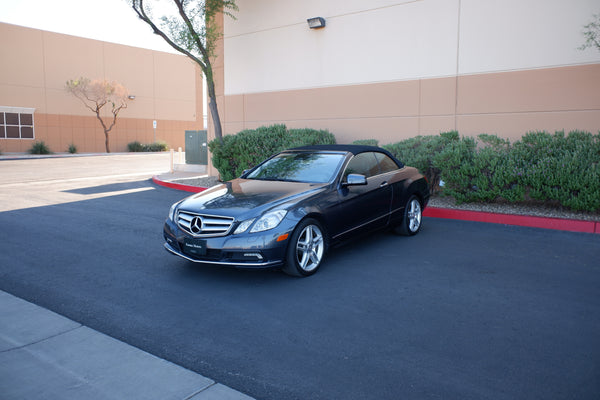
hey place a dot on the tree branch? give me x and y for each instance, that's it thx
(138, 7)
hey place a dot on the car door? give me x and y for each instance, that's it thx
(363, 207)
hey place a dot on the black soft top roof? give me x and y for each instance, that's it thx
(350, 148)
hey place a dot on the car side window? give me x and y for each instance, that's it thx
(363, 164)
(386, 164)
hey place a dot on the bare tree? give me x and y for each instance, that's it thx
(191, 30)
(95, 95)
(592, 33)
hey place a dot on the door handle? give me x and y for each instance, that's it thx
(384, 183)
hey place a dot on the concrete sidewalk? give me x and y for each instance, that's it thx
(46, 356)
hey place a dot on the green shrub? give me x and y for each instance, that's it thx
(136, 146)
(306, 137)
(157, 146)
(562, 170)
(419, 152)
(249, 147)
(39, 148)
(72, 149)
(366, 142)
(559, 168)
(456, 163)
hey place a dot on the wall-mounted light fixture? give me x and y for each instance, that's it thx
(131, 97)
(316, 22)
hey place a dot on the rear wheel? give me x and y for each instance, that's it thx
(306, 249)
(413, 215)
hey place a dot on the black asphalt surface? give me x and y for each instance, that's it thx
(461, 311)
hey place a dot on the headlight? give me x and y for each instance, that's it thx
(172, 211)
(268, 221)
(243, 226)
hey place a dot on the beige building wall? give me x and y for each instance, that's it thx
(36, 65)
(508, 104)
(393, 69)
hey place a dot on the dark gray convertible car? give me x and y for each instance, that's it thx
(287, 211)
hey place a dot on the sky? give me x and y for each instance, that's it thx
(107, 20)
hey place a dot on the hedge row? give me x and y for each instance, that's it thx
(249, 147)
(136, 146)
(560, 169)
(556, 168)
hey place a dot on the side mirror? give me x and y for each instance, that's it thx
(355, 180)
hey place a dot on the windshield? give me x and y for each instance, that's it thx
(299, 167)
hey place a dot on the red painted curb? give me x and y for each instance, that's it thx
(570, 225)
(518, 220)
(178, 186)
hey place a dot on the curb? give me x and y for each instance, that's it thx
(570, 225)
(178, 186)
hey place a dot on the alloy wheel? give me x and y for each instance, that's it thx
(310, 248)
(414, 215)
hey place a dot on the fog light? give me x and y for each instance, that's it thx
(258, 256)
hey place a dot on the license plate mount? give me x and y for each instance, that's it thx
(195, 247)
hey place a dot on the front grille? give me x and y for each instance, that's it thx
(202, 225)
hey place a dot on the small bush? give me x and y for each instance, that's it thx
(157, 146)
(366, 142)
(456, 164)
(39, 148)
(419, 152)
(136, 147)
(306, 137)
(249, 147)
(560, 168)
(72, 149)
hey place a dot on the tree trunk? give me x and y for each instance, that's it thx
(214, 111)
(106, 143)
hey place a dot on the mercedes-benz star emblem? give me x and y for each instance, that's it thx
(196, 225)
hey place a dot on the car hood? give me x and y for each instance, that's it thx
(245, 198)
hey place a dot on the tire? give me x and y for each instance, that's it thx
(412, 219)
(306, 249)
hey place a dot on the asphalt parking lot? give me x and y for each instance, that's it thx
(463, 310)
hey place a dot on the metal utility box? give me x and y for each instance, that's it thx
(196, 148)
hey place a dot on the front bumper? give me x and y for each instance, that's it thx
(229, 263)
(251, 251)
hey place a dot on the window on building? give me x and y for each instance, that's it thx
(16, 123)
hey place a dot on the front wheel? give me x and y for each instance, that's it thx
(413, 214)
(306, 249)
